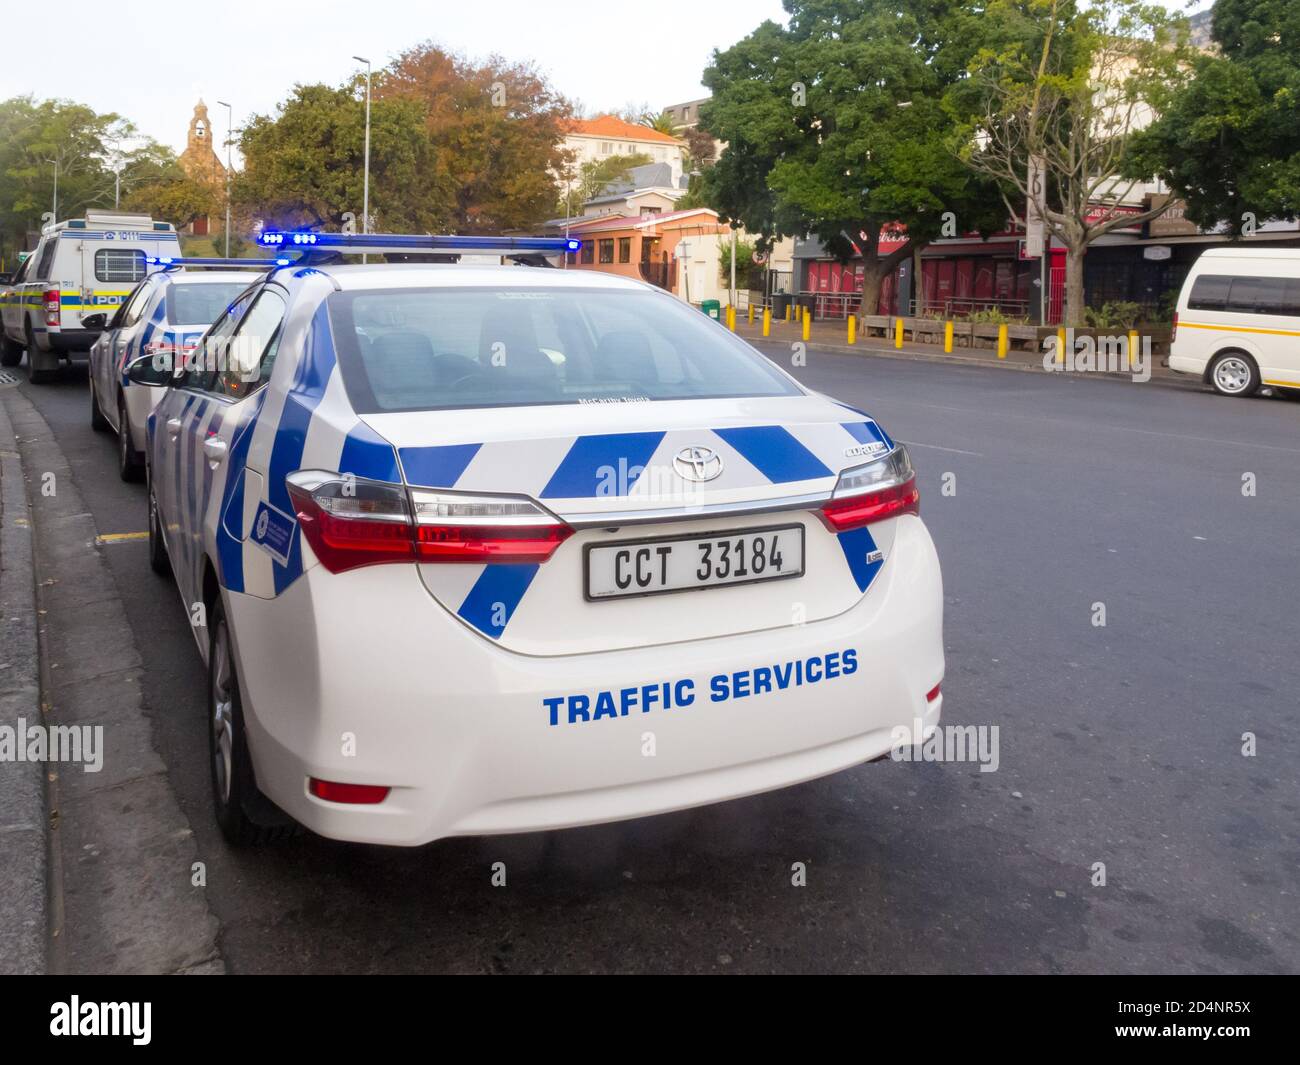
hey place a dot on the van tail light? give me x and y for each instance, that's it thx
(1173, 329)
(353, 522)
(867, 494)
(53, 303)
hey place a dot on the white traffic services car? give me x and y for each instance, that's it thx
(484, 549)
(165, 314)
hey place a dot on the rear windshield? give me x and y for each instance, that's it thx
(438, 349)
(200, 304)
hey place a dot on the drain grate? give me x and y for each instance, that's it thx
(6, 379)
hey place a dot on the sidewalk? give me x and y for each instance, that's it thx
(22, 790)
(832, 335)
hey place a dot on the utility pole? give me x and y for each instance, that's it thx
(230, 132)
(365, 185)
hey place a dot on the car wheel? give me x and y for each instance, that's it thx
(245, 815)
(97, 420)
(158, 560)
(11, 352)
(36, 376)
(128, 459)
(1234, 373)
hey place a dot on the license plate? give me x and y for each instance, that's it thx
(682, 563)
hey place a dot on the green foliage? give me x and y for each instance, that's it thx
(1230, 144)
(455, 146)
(87, 147)
(1115, 314)
(304, 166)
(173, 197)
(835, 127)
(749, 275)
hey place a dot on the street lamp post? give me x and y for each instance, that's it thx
(230, 132)
(365, 183)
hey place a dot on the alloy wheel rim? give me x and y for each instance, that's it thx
(222, 713)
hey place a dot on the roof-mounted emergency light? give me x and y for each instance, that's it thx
(416, 242)
(172, 261)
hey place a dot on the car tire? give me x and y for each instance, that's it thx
(97, 420)
(1234, 373)
(158, 560)
(246, 816)
(128, 459)
(35, 376)
(11, 352)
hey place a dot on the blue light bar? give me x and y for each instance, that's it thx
(416, 242)
(171, 261)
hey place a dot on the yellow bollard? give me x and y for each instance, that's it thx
(807, 323)
(853, 329)
(898, 332)
(751, 314)
(731, 318)
(947, 338)
(1132, 346)
(767, 321)
(1002, 341)
(1060, 346)
(787, 312)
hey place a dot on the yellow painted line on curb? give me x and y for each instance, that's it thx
(120, 538)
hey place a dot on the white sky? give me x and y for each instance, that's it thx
(159, 56)
(153, 59)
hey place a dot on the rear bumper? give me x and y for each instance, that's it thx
(459, 728)
(1188, 364)
(72, 342)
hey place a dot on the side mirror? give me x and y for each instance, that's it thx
(94, 321)
(6, 279)
(143, 371)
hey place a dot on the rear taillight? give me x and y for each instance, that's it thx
(53, 301)
(1173, 329)
(866, 494)
(352, 522)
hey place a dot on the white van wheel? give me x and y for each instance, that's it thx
(1234, 373)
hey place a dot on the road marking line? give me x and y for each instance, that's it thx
(119, 538)
(936, 447)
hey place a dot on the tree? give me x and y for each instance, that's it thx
(174, 198)
(701, 150)
(494, 130)
(1229, 144)
(835, 126)
(305, 165)
(1066, 89)
(34, 137)
(595, 176)
(660, 123)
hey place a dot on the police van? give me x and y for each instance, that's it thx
(1238, 320)
(67, 289)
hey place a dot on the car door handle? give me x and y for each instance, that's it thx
(173, 427)
(215, 450)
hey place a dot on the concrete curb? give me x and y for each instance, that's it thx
(873, 348)
(121, 851)
(23, 916)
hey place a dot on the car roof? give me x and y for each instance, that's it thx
(433, 275)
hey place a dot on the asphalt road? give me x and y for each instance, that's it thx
(1119, 744)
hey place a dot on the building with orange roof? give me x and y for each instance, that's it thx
(593, 139)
